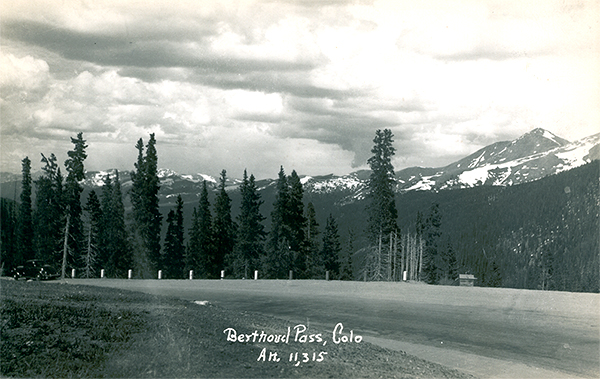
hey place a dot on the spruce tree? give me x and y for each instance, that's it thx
(432, 257)
(25, 217)
(331, 248)
(346, 271)
(144, 198)
(106, 227)
(94, 232)
(201, 245)
(73, 230)
(295, 220)
(313, 264)
(382, 204)
(174, 248)
(48, 214)
(251, 234)
(277, 262)
(115, 255)
(223, 227)
(8, 235)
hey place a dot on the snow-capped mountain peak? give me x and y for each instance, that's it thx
(530, 157)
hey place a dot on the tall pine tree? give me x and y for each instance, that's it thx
(48, 214)
(25, 217)
(73, 230)
(251, 234)
(433, 269)
(331, 248)
(223, 227)
(382, 204)
(147, 217)
(313, 265)
(115, 253)
(174, 248)
(279, 258)
(94, 232)
(201, 245)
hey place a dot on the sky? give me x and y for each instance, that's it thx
(257, 85)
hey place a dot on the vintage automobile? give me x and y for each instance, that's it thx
(35, 269)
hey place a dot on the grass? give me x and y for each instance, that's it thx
(60, 330)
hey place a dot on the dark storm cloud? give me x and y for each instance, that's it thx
(140, 54)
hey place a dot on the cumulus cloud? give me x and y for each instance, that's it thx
(303, 84)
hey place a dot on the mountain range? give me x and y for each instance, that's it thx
(534, 155)
(530, 157)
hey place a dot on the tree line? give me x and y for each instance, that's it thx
(540, 235)
(98, 235)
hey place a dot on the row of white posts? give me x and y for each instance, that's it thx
(191, 276)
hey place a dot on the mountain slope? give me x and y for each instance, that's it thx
(530, 157)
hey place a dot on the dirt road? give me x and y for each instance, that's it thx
(484, 331)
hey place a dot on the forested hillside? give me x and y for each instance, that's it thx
(539, 235)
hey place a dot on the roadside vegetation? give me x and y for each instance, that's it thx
(64, 331)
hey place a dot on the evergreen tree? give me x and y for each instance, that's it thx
(8, 236)
(223, 227)
(152, 187)
(346, 271)
(173, 256)
(287, 225)
(251, 234)
(313, 265)
(382, 203)
(106, 225)
(49, 211)
(331, 248)
(274, 264)
(147, 217)
(25, 218)
(95, 218)
(295, 220)
(433, 258)
(115, 254)
(201, 245)
(73, 231)
(381, 208)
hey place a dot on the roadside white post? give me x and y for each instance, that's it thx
(222, 274)
(73, 273)
(291, 275)
(102, 273)
(404, 275)
(191, 274)
(129, 274)
(255, 274)
(159, 274)
(327, 275)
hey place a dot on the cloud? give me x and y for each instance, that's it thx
(294, 83)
